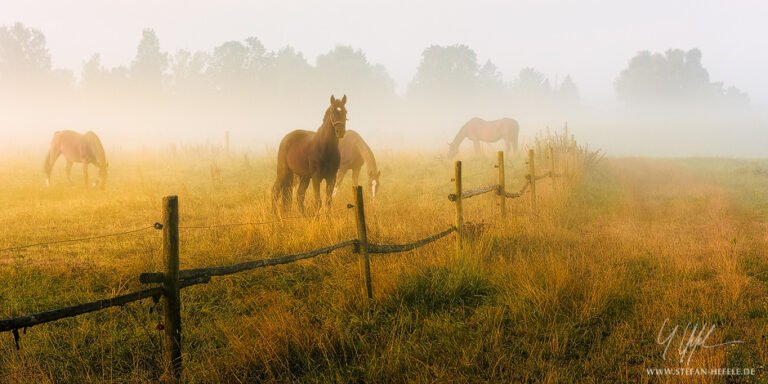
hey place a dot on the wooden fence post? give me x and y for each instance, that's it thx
(172, 302)
(502, 186)
(532, 179)
(459, 217)
(362, 239)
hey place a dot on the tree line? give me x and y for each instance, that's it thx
(244, 75)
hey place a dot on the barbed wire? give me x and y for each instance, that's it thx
(19, 247)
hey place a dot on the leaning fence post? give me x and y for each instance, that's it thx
(502, 186)
(459, 217)
(172, 302)
(532, 179)
(362, 239)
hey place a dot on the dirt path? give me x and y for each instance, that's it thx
(691, 255)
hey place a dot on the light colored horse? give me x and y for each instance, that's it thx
(77, 148)
(479, 130)
(354, 153)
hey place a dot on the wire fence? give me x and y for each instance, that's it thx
(173, 279)
(82, 239)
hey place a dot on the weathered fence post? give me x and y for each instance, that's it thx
(362, 239)
(532, 179)
(459, 217)
(172, 302)
(502, 186)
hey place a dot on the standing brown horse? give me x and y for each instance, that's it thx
(479, 130)
(310, 156)
(77, 148)
(354, 153)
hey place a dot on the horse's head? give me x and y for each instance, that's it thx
(337, 115)
(373, 178)
(103, 175)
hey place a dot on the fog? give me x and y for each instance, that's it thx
(631, 78)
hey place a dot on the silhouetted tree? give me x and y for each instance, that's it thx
(24, 57)
(346, 70)
(491, 81)
(671, 80)
(449, 71)
(531, 84)
(568, 93)
(288, 75)
(237, 67)
(150, 63)
(188, 73)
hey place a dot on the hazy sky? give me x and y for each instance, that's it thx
(590, 40)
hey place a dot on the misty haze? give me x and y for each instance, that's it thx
(346, 191)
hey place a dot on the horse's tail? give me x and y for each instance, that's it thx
(282, 190)
(513, 133)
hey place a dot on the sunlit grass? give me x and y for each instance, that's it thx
(575, 293)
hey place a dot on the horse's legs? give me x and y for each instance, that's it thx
(281, 190)
(356, 176)
(69, 170)
(316, 179)
(476, 143)
(507, 144)
(85, 173)
(330, 182)
(303, 184)
(339, 178)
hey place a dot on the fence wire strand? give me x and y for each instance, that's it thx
(16, 248)
(225, 225)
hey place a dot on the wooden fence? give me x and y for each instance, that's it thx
(172, 280)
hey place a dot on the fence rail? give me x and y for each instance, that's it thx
(187, 274)
(173, 279)
(385, 248)
(474, 192)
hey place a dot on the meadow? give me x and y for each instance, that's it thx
(575, 293)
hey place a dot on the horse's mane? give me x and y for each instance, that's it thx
(463, 132)
(94, 143)
(367, 154)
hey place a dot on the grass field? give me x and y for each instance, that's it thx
(577, 293)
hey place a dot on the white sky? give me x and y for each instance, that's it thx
(590, 40)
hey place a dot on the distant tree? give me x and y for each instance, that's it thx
(288, 72)
(531, 84)
(238, 66)
(150, 63)
(568, 93)
(92, 74)
(24, 56)
(347, 70)
(188, 73)
(449, 71)
(491, 81)
(669, 81)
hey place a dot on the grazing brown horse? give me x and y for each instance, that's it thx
(77, 148)
(311, 156)
(354, 153)
(479, 130)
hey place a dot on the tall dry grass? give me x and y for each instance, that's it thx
(575, 293)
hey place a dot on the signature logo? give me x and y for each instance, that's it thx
(693, 336)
